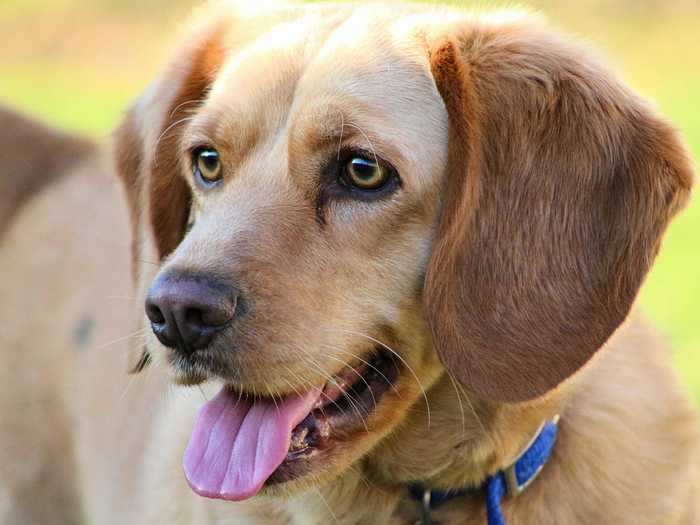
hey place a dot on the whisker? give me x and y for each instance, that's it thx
(147, 262)
(201, 390)
(162, 135)
(322, 393)
(138, 333)
(272, 396)
(179, 106)
(374, 401)
(303, 384)
(361, 477)
(387, 347)
(330, 379)
(320, 495)
(351, 354)
(131, 381)
(289, 384)
(475, 414)
(461, 407)
(369, 142)
(326, 375)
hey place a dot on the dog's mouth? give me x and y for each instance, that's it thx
(241, 443)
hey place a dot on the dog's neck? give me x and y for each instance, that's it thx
(467, 440)
(648, 430)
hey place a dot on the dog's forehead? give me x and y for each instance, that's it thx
(374, 60)
(362, 40)
(365, 67)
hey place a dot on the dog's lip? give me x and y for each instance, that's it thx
(340, 383)
(336, 387)
(341, 412)
(336, 391)
(189, 378)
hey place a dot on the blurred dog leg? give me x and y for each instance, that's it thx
(37, 465)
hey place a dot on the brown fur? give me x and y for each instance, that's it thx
(563, 184)
(515, 149)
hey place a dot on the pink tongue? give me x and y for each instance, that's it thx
(236, 444)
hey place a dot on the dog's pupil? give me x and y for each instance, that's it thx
(363, 168)
(210, 159)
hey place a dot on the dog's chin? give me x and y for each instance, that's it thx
(188, 378)
(354, 409)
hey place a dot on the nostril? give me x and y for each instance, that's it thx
(209, 316)
(194, 316)
(154, 314)
(186, 312)
(218, 314)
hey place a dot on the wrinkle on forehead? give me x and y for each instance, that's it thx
(255, 88)
(362, 77)
(373, 74)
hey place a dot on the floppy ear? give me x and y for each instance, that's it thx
(560, 185)
(148, 160)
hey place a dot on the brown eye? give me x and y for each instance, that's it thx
(366, 174)
(207, 165)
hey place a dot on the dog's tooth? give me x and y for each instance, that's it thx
(323, 428)
(299, 439)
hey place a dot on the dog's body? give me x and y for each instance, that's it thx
(84, 442)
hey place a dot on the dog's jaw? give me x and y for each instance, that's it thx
(290, 438)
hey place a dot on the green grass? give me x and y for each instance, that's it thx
(78, 63)
(671, 76)
(76, 100)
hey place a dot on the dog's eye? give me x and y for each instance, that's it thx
(206, 165)
(365, 174)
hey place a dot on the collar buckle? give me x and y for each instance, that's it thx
(506, 482)
(426, 508)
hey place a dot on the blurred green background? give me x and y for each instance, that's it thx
(78, 63)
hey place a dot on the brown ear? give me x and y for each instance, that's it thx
(148, 161)
(560, 185)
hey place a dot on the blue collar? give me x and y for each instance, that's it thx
(512, 480)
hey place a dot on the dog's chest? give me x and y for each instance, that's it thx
(378, 508)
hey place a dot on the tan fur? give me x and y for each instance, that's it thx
(514, 149)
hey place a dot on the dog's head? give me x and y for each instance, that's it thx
(346, 204)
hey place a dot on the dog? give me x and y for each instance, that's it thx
(366, 265)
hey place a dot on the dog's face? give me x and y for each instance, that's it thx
(346, 201)
(317, 211)
(317, 185)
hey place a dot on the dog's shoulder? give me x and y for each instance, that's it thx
(64, 254)
(655, 424)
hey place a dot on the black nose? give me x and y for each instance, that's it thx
(186, 311)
